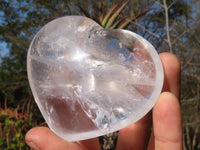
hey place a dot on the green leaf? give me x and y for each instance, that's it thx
(105, 20)
(7, 124)
(117, 22)
(2, 139)
(19, 123)
(102, 12)
(114, 16)
(133, 18)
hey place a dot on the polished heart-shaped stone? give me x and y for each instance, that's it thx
(88, 81)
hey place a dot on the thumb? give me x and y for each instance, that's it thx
(42, 138)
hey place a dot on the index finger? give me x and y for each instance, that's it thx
(171, 67)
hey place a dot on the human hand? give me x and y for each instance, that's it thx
(165, 119)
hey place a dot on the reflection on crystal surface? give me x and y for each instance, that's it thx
(88, 81)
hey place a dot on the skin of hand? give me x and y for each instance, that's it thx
(160, 129)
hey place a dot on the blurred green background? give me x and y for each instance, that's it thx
(170, 25)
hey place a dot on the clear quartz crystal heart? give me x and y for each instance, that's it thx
(88, 81)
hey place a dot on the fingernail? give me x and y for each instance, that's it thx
(32, 145)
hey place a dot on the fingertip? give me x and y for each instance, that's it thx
(169, 58)
(42, 138)
(32, 137)
(167, 99)
(33, 133)
(172, 70)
